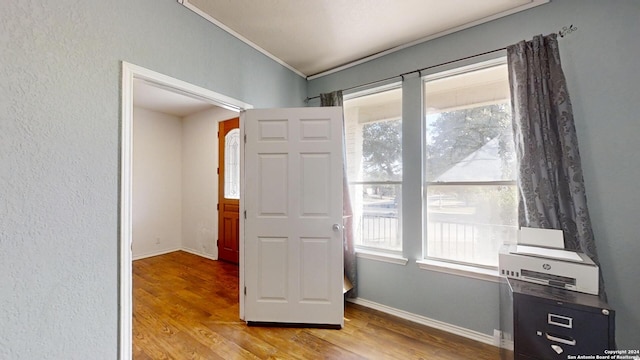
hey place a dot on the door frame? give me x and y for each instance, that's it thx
(125, 224)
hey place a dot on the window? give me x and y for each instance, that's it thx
(232, 164)
(471, 199)
(373, 123)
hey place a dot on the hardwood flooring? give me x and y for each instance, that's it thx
(186, 307)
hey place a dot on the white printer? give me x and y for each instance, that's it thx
(539, 257)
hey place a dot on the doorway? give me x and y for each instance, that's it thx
(229, 190)
(130, 73)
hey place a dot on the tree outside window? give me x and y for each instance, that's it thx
(374, 167)
(471, 202)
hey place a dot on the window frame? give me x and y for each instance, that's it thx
(451, 266)
(371, 252)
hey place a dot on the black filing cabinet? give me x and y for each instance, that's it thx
(552, 323)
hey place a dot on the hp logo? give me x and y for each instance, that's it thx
(546, 266)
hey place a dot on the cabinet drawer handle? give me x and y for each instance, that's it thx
(550, 337)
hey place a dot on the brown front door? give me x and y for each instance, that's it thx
(229, 190)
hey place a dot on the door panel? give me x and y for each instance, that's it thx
(293, 198)
(273, 195)
(316, 255)
(315, 179)
(273, 268)
(228, 190)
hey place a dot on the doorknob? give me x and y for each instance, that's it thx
(337, 227)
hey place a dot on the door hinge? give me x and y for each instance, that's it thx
(218, 171)
(218, 207)
(245, 138)
(245, 214)
(217, 242)
(245, 290)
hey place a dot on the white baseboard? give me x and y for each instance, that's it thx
(423, 320)
(162, 252)
(508, 344)
(201, 254)
(156, 253)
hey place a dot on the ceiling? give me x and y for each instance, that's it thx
(312, 37)
(157, 98)
(315, 37)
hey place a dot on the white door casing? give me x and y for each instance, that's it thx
(129, 73)
(293, 249)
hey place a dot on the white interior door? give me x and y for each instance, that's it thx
(293, 250)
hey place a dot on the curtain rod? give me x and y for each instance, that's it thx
(412, 72)
(566, 30)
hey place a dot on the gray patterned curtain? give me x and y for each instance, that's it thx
(335, 99)
(550, 182)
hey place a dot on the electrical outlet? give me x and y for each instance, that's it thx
(497, 337)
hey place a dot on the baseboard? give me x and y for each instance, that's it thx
(201, 254)
(423, 320)
(506, 344)
(156, 253)
(162, 252)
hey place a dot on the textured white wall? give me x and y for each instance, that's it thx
(157, 183)
(200, 181)
(60, 73)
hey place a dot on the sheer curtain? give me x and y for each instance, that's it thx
(550, 181)
(335, 99)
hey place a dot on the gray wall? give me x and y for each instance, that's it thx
(59, 153)
(600, 61)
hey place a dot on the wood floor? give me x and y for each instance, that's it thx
(186, 307)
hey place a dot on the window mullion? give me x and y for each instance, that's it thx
(375, 182)
(470, 183)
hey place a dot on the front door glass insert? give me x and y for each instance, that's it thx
(232, 164)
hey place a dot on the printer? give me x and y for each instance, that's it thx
(540, 257)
